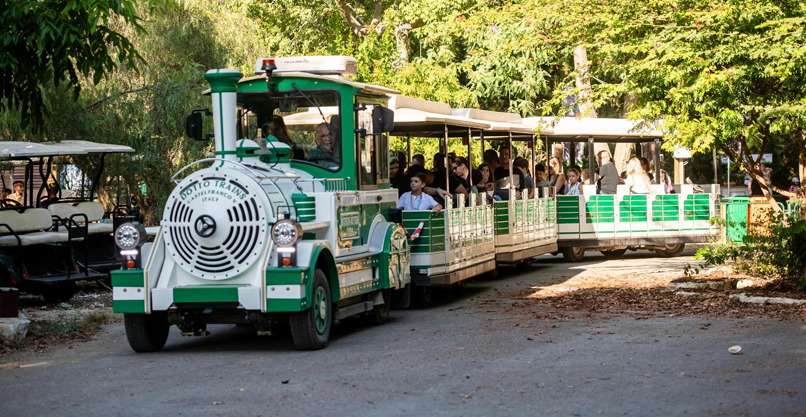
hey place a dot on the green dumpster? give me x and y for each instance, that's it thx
(736, 211)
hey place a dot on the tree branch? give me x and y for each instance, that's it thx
(376, 17)
(122, 93)
(349, 15)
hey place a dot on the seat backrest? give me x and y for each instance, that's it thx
(93, 209)
(29, 220)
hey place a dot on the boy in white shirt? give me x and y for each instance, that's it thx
(416, 199)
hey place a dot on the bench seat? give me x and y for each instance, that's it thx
(34, 238)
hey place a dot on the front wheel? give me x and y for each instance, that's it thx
(310, 329)
(670, 251)
(146, 332)
(573, 254)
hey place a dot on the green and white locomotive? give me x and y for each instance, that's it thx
(289, 220)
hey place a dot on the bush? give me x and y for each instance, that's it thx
(780, 253)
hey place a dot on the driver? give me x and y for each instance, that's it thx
(324, 154)
(19, 192)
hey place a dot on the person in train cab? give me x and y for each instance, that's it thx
(491, 159)
(460, 168)
(278, 129)
(522, 165)
(416, 199)
(398, 178)
(556, 176)
(637, 180)
(324, 154)
(608, 175)
(454, 185)
(574, 186)
(417, 165)
(6, 193)
(19, 192)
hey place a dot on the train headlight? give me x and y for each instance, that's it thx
(286, 232)
(130, 235)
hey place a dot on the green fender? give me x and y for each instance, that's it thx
(322, 258)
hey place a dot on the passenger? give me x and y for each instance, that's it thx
(454, 185)
(486, 177)
(461, 169)
(528, 183)
(324, 154)
(398, 178)
(6, 193)
(19, 192)
(491, 159)
(645, 166)
(503, 164)
(403, 160)
(417, 165)
(666, 180)
(278, 129)
(585, 177)
(637, 180)
(416, 199)
(556, 176)
(794, 188)
(608, 176)
(574, 186)
(541, 177)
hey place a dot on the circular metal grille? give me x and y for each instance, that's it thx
(215, 224)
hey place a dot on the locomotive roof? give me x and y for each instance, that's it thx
(428, 118)
(363, 87)
(572, 129)
(15, 149)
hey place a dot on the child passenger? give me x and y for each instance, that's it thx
(416, 199)
(574, 186)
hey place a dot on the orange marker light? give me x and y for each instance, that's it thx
(130, 263)
(286, 261)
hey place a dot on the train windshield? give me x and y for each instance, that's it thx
(308, 122)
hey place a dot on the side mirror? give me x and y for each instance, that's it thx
(194, 124)
(383, 120)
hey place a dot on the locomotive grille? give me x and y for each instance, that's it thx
(236, 227)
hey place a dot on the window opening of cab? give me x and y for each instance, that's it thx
(373, 149)
(309, 123)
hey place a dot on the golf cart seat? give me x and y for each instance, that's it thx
(28, 226)
(76, 211)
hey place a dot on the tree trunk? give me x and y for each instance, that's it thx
(583, 84)
(402, 41)
(624, 150)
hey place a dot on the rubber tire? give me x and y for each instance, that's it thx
(573, 254)
(421, 296)
(146, 332)
(402, 298)
(525, 264)
(60, 292)
(613, 254)
(380, 314)
(304, 329)
(672, 250)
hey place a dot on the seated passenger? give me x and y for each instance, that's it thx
(398, 179)
(324, 154)
(19, 192)
(417, 165)
(416, 199)
(278, 129)
(608, 176)
(574, 186)
(522, 165)
(454, 184)
(637, 180)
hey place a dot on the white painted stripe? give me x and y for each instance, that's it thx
(249, 297)
(353, 278)
(285, 292)
(128, 293)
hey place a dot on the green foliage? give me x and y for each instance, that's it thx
(780, 253)
(55, 41)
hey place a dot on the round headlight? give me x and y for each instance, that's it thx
(286, 232)
(127, 236)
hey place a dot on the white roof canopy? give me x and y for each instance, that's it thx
(501, 123)
(13, 149)
(428, 118)
(572, 129)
